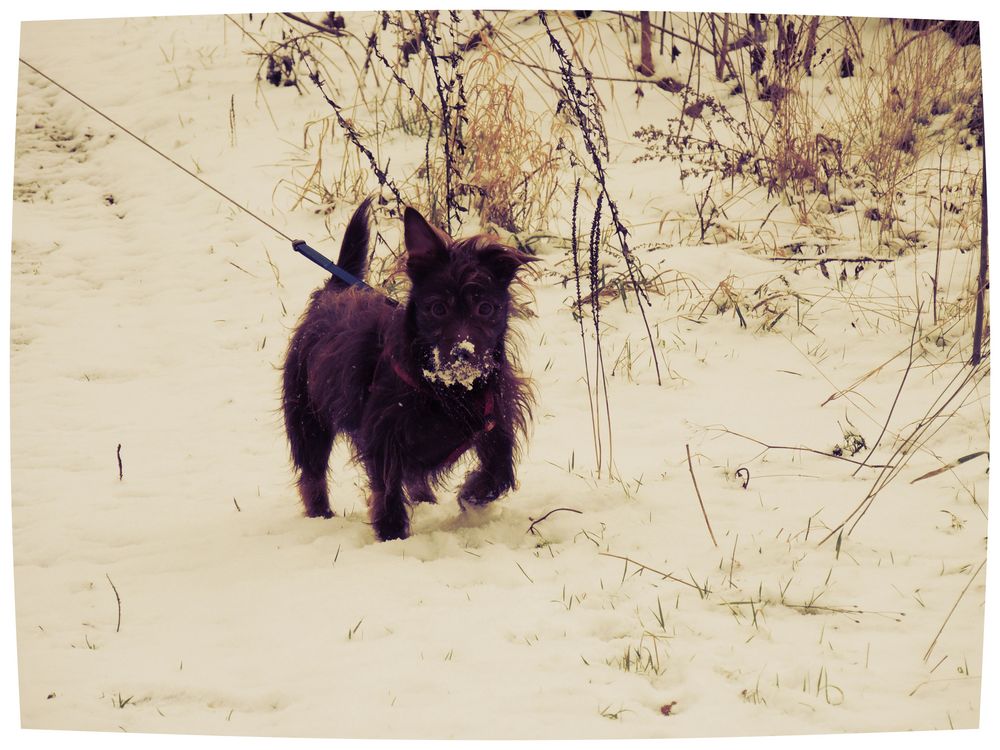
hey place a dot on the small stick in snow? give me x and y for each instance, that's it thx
(744, 470)
(906, 372)
(118, 627)
(952, 465)
(698, 493)
(732, 561)
(240, 268)
(523, 571)
(120, 470)
(954, 607)
(641, 566)
(806, 258)
(531, 529)
(768, 446)
(238, 508)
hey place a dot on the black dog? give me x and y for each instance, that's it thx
(414, 386)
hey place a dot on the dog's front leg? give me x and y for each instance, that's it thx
(495, 474)
(418, 490)
(388, 509)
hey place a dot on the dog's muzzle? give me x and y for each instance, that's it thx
(462, 365)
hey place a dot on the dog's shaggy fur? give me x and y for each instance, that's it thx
(415, 386)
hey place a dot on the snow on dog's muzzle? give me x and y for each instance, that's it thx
(461, 366)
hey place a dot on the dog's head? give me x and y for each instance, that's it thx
(459, 301)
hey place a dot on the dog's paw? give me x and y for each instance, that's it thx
(480, 489)
(321, 513)
(388, 530)
(420, 493)
(392, 522)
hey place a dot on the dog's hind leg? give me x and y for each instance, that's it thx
(311, 445)
(310, 441)
(312, 488)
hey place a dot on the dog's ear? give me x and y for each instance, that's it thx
(504, 261)
(426, 246)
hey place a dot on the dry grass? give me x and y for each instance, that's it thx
(845, 159)
(802, 129)
(509, 165)
(315, 184)
(887, 113)
(445, 78)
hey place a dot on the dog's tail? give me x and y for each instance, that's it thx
(354, 248)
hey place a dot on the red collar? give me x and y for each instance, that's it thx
(403, 374)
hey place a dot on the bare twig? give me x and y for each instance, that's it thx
(523, 571)
(937, 252)
(977, 334)
(443, 88)
(926, 32)
(675, 35)
(240, 268)
(579, 103)
(352, 134)
(575, 249)
(746, 480)
(863, 378)
(732, 561)
(953, 608)
(935, 417)
(531, 529)
(118, 627)
(121, 471)
(899, 391)
(952, 465)
(651, 570)
(306, 22)
(698, 493)
(768, 446)
(832, 259)
(646, 55)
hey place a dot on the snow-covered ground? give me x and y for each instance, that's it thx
(148, 313)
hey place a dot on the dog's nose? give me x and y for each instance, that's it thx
(463, 351)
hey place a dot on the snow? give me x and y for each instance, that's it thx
(463, 372)
(150, 314)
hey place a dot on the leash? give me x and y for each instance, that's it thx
(322, 261)
(298, 246)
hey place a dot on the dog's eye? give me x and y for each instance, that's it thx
(439, 309)
(486, 309)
